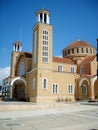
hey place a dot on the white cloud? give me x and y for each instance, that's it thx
(4, 72)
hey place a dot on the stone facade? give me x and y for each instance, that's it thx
(41, 77)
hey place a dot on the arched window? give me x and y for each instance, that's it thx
(77, 50)
(72, 51)
(91, 51)
(82, 50)
(68, 52)
(65, 53)
(84, 89)
(44, 83)
(86, 50)
(21, 69)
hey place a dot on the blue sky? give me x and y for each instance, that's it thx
(70, 19)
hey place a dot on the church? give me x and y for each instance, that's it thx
(38, 76)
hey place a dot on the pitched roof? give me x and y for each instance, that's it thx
(88, 59)
(63, 60)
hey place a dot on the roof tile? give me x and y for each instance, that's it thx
(88, 59)
(63, 60)
(78, 43)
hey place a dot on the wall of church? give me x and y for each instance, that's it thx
(87, 68)
(94, 67)
(63, 81)
(48, 81)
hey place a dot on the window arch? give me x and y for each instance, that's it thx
(81, 81)
(44, 83)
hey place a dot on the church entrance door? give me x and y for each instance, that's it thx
(19, 90)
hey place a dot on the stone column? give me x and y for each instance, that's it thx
(14, 48)
(38, 17)
(11, 91)
(47, 17)
(42, 17)
(92, 95)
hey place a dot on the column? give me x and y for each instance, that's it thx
(42, 17)
(14, 48)
(92, 95)
(38, 17)
(20, 48)
(11, 91)
(47, 17)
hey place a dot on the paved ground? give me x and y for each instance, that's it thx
(70, 117)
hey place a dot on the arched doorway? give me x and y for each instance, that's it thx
(96, 88)
(18, 89)
(84, 88)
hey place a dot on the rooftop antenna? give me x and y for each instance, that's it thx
(78, 38)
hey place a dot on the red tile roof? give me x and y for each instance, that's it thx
(63, 60)
(88, 59)
(6, 78)
(28, 54)
(78, 43)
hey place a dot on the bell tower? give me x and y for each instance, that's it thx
(43, 16)
(42, 40)
(17, 48)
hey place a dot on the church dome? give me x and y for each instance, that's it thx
(78, 50)
(78, 44)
